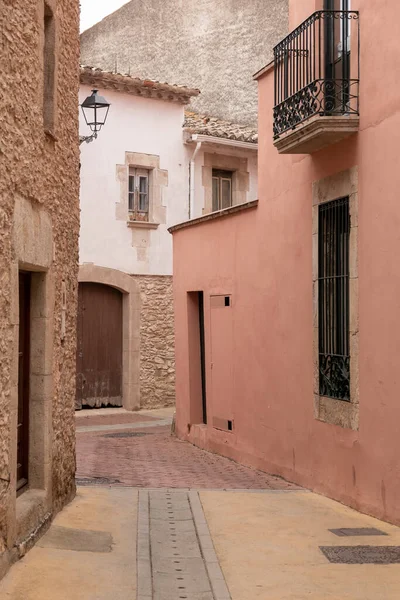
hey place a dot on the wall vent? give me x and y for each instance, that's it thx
(223, 424)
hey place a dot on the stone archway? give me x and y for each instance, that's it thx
(90, 273)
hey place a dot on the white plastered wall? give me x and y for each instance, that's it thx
(225, 150)
(135, 125)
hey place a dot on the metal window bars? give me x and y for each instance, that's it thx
(333, 299)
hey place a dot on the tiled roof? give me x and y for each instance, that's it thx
(134, 85)
(214, 127)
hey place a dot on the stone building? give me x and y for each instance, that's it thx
(151, 167)
(215, 45)
(39, 227)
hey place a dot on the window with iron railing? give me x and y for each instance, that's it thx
(317, 68)
(333, 299)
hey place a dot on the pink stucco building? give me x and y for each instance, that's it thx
(287, 309)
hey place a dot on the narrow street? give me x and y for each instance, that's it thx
(158, 519)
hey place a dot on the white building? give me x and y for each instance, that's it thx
(151, 167)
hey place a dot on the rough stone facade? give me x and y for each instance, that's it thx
(39, 228)
(177, 41)
(157, 347)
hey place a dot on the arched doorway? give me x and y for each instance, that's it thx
(130, 296)
(99, 346)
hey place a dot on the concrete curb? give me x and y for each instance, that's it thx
(122, 426)
(215, 575)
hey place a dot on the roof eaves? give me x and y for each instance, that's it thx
(136, 86)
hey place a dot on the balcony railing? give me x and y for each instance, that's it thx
(317, 70)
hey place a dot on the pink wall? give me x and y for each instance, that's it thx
(263, 257)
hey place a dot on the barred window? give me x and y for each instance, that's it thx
(333, 299)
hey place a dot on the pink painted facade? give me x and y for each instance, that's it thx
(259, 357)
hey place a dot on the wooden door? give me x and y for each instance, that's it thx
(23, 380)
(99, 350)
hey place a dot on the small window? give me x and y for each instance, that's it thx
(333, 299)
(221, 189)
(49, 68)
(138, 194)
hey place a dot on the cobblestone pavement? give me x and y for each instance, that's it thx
(142, 453)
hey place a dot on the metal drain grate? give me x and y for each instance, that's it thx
(82, 481)
(356, 531)
(128, 434)
(362, 555)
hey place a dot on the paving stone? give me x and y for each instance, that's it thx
(162, 461)
(183, 596)
(194, 565)
(172, 529)
(178, 550)
(177, 515)
(191, 582)
(178, 570)
(179, 526)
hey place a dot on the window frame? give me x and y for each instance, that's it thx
(220, 176)
(330, 410)
(135, 196)
(333, 299)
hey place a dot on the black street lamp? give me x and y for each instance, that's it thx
(95, 110)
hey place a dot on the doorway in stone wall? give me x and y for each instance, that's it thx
(99, 346)
(23, 380)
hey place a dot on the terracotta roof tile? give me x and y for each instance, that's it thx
(205, 125)
(135, 85)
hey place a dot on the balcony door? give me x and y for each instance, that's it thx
(337, 57)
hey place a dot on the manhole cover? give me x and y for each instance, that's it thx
(356, 531)
(362, 555)
(81, 481)
(127, 434)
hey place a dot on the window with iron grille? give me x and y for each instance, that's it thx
(333, 299)
(138, 194)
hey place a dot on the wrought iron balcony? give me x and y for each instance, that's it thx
(317, 82)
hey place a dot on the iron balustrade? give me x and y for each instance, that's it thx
(317, 69)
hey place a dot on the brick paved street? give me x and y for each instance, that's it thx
(139, 452)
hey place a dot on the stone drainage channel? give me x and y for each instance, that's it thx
(176, 559)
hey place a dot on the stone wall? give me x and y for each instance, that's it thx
(215, 45)
(39, 181)
(157, 348)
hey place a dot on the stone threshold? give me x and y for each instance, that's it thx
(218, 214)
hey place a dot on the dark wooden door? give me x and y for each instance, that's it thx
(99, 350)
(23, 380)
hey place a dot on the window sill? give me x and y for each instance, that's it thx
(336, 412)
(142, 224)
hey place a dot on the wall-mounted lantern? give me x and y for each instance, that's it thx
(95, 110)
